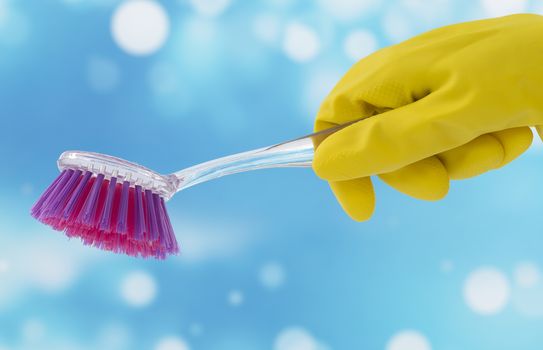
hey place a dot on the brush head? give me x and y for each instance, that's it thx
(111, 204)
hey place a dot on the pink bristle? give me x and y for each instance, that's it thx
(107, 214)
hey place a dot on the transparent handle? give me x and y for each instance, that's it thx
(294, 153)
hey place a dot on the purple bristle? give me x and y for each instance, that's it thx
(158, 214)
(36, 208)
(123, 211)
(86, 216)
(69, 209)
(170, 236)
(151, 215)
(47, 204)
(105, 222)
(64, 195)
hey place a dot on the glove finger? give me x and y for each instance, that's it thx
(540, 131)
(515, 141)
(392, 140)
(377, 83)
(356, 197)
(426, 179)
(473, 158)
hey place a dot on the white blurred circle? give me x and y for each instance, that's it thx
(486, 290)
(3, 11)
(114, 336)
(527, 274)
(33, 330)
(210, 8)
(138, 288)
(408, 340)
(359, 44)
(348, 10)
(300, 42)
(528, 301)
(14, 25)
(171, 343)
(163, 78)
(50, 271)
(196, 329)
(318, 85)
(235, 297)
(4, 266)
(140, 27)
(295, 338)
(272, 275)
(27, 189)
(267, 28)
(497, 8)
(396, 26)
(103, 75)
(434, 11)
(446, 265)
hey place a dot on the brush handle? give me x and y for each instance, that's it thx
(294, 153)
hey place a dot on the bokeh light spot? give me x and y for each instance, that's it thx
(27, 189)
(140, 27)
(527, 274)
(446, 265)
(14, 24)
(4, 266)
(196, 329)
(496, 8)
(210, 8)
(396, 26)
(172, 343)
(103, 75)
(348, 10)
(301, 43)
(163, 78)
(318, 85)
(267, 28)
(33, 330)
(272, 275)
(295, 338)
(359, 44)
(54, 272)
(114, 336)
(138, 289)
(486, 291)
(235, 297)
(408, 340)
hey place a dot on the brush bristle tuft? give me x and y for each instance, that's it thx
(107, 214)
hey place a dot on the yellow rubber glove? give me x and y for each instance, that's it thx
(451, 103)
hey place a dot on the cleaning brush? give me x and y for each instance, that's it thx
(116, 205)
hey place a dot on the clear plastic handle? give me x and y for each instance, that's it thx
(294, 153)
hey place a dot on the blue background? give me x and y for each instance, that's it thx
(221, 84)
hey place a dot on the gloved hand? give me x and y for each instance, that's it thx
(451, 103)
